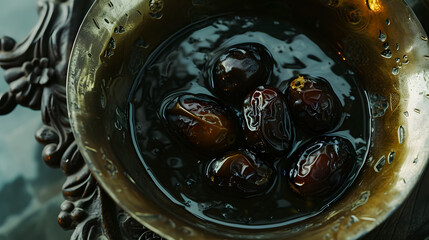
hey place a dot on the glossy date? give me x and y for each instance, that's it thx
(313, 104)
(241, 173)
(322, 166)
(267, 126)
(203, 121)
(240, 69)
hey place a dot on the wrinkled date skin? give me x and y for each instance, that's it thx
(322, 166)
(240, 69)
(203, 121)
(267, 126)
(241, 173)
(314, 105)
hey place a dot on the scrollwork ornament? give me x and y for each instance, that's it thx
(35, 71)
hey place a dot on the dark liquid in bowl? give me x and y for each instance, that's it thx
(183, 65)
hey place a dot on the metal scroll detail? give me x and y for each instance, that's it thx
(35, 70)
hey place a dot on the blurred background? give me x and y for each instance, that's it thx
(30, 192)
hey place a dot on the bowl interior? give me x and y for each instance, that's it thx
(117, 37)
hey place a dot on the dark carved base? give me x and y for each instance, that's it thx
(35, 70)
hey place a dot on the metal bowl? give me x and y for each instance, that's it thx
(118, 35)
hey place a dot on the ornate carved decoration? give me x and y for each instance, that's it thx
(133, 230)
(35, 70)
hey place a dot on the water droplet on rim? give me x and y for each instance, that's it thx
(386, 53)
(380, 164)
(391, 157)
(401, 134)
(381, 36)
(362, 200)
(386, 45)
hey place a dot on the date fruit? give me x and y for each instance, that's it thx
(239, 172)
(322, 166)
(205, 122)
(240, 69)
(267, 126)
(313, 104)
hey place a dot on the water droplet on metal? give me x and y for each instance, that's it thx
(406, 114)
(424, 38)
(391, 157)
(386, 45)
(121, 29)
(156, 5)
(395, 71)
(405, 182)
(109, 52)
(109, 165)
(96, 23)
(90, 149)
(362, 200)
(386, 53)
(121, 120)
(380, 164)
(368, 219)
(426, 57)
(401, 134)
(353, 220)
(416, 160)
(388, 22)
(397, 46)
(112, 43)
(417, 110)
(110, 48)
(381, 36)
(156, 15)
(397, 60)
(155, 8)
